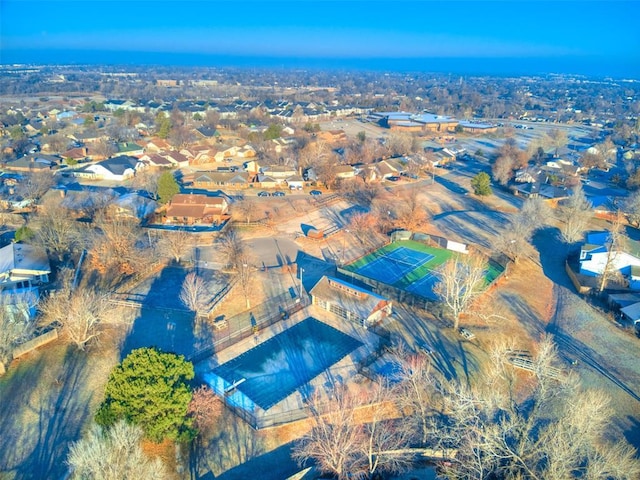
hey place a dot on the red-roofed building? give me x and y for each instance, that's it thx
(195, 209)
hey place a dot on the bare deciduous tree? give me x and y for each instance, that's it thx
(104, 148)
(400, 144)
(411, 215)
(245, 209)
(113, 454)
(55, 230)
(57, 143)
(94, 204)
(556, 431)
(557, 139)
(416, 392)
(115, 248)
(231, 247)
(613, 246)
(510, 158)
(147, 180)
(81, 311)
(36, 184)
(175, 244)
(347, 447)
(384, 436)
(575, 214)
(194, 293)
(514, 240)
(205, 409)
(244, 272)
(333, 441)
(632, 209)
(16, 324)
(460, 281)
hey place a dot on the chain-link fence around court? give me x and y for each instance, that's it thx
(250, 322)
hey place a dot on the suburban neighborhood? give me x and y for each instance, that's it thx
(427, 268)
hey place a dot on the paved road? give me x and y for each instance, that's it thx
(268, 252)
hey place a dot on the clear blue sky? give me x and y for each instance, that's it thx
(587, 31)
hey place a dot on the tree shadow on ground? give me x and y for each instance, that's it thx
(274, 465)
(485, 224)
(553, 252)
(42, 412)
(235, 444)
(527, 317)
(451, 186)
(162, 321)
(632, 431)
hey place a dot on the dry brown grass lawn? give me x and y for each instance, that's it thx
(518, 306)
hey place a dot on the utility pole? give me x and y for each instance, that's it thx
(301, 285)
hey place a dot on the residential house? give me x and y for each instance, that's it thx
(157, 145)
(199, 154)
(78, 154)
(35, 162)
(23, 269)
(88, 136)
(215, 180)
(206, 133)
(350, 302)
(595, 254)
(129, 148)
(196, 209)
(345, 171)
(253, 167)
(279, 172)
(246, 151)
(442, 156)
(295, 182)
(382, 170)
(282, 144)
(133, 206)
(632, 313)
(226, 153)
(155, 160)
(266, 181)
(115, 168)
(177, 158)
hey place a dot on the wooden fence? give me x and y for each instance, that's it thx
(522, 359)
(574, 279)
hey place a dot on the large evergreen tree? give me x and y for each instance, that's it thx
(481, 184)
(150, 389)
(167, 187)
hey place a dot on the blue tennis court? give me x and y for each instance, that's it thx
(394, 265)
(424, 287)
(276, 368)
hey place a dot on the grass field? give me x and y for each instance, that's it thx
(418, 280)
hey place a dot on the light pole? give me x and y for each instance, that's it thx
(301, 285)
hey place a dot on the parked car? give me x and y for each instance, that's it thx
(393, 179)
(315, 193)
(263, 194)
(278, 194)
(466, 333)
(409, 175)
